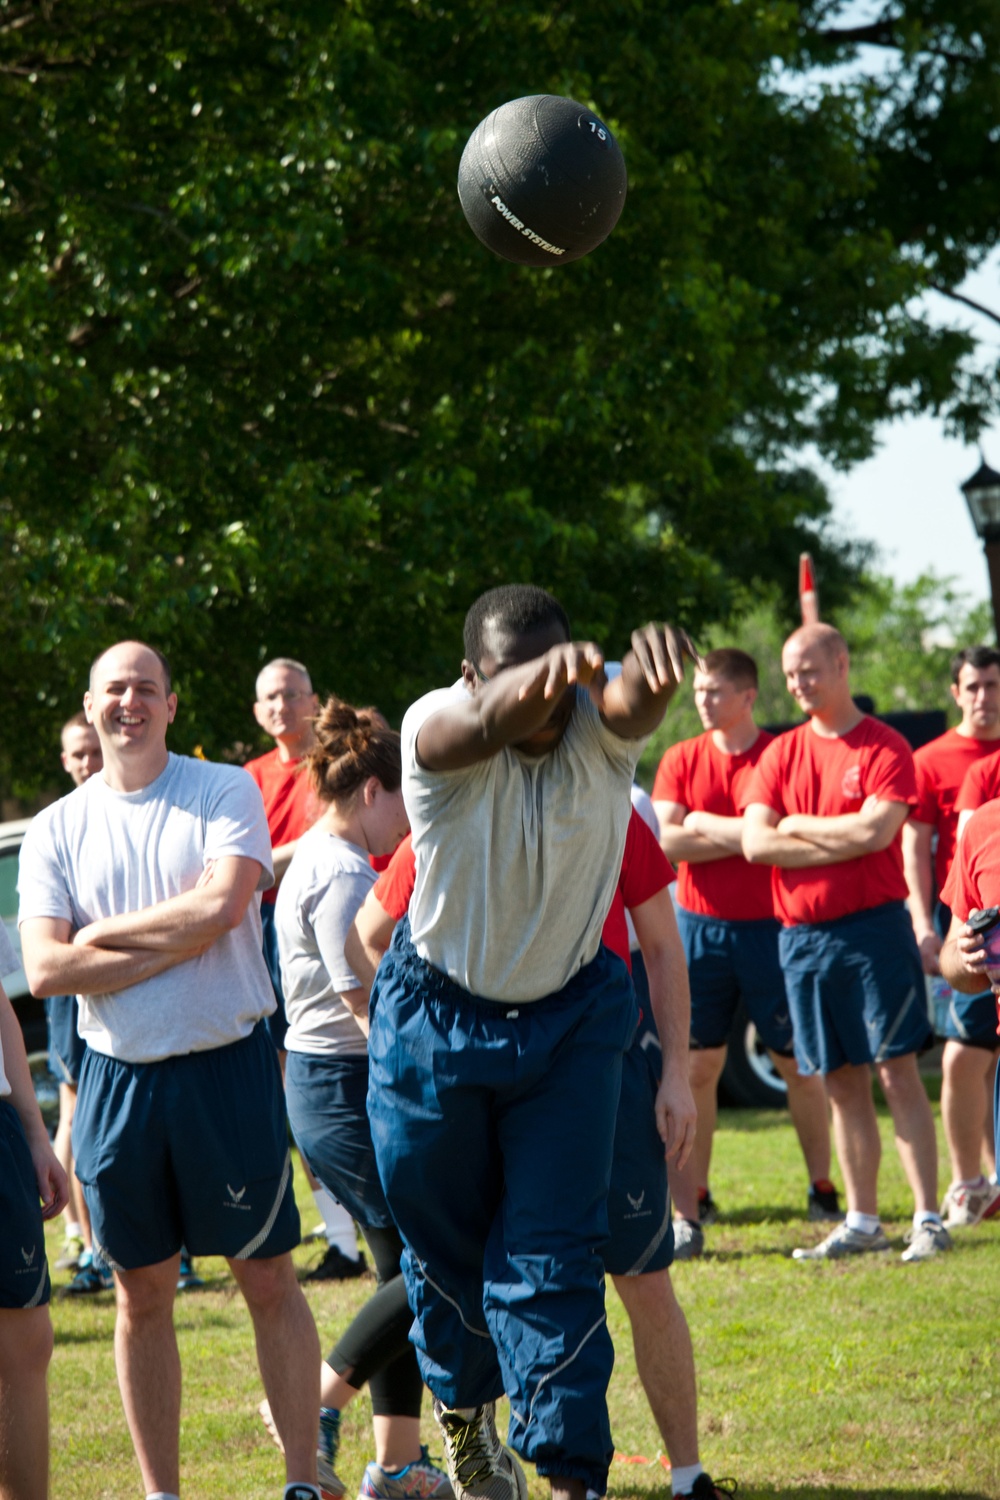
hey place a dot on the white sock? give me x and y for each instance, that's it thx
(926, 1217)
(682, 1480)
(73, 1231)
(337, 1222)
(866, 1223)
(161, 1495)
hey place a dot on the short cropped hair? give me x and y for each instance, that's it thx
(516, 609)
(974, 656)
(164, 664)
(76, 721)
(282, 661)
(737, 667)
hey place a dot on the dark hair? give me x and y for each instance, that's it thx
(974, 656)
(351, 744)
(737, 667)
(516, 609)
(164, 664)
(78, 721)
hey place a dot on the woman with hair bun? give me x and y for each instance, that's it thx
(356, 769)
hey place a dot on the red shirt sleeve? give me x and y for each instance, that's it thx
(670, 784)
(926, 809)
(979, 784)
(645, 868)
(394, 887)
(891, 774)
(765, 784)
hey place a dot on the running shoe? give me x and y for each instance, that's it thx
(824, 1204)
(421, 1480)
(327, 1445)
(708, 1209)
(336, 1266)
(926, 1241)
(968, 1203)
(844, 1241)
(72, 1254)
(707, 1488)
(188, 1279)
(689, 1240)
(91, 1278)
(480, 1467)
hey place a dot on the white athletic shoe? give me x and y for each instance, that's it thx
(480, 1467)
(844, 1241)
(926, 1241)
(968, 1203)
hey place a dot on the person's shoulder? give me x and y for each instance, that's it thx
(928, 754)
(874, 732)
(62, 813)
(259, 764)
(212, 776)
(983, 825)
(431, 703)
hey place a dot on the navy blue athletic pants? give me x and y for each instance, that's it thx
(494, 1129)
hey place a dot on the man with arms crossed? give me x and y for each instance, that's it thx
(285, 707)
(825, 807)
(138, 892)
(725, 912)
(497, 1034)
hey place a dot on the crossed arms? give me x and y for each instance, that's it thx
(800, 840)
(115, 952)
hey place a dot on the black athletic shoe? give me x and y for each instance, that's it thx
(708, 1209)
(824, 1204)
(336, 1266)
(707, 1488)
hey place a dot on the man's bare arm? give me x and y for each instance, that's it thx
(635, 702)
(763, 844)
(53, 1188)
(55, 965)
(670, 1000)
(679, 839)
(281, 858)
(963, 960)
(916, 839)
(368, 939)
(185, 923)
(850, 835)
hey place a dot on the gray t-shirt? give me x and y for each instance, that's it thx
(101, 853)
(9, 964)
(318, 899)
(517, 856)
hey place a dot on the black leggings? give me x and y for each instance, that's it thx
(375, 1347)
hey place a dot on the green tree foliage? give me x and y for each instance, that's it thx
(262, 392)
(901, 638)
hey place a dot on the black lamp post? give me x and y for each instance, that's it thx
(982, 495)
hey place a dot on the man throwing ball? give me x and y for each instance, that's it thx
(497, 1032)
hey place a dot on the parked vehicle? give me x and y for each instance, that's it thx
(29, 1011)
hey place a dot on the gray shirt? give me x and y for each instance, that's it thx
(318, 899)
(102, 853)
(517, 856)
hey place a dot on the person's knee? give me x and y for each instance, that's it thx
(266, 1283)
(899, 1078)
(26, 1343)
(147, 1293)
(705, 1065)
(643, 1297)
(960, 1062)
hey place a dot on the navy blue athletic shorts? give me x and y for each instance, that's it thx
(971, 1019)
(66, 1046)
(856, 989)
(639, 1217)
(328, 1109)
(277, 1021)
(190, 1150)
(730, 961)
(24, 1271)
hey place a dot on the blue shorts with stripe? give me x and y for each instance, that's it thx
(856, 989)
(639, 1217)
(971, 1019)
(732, 961)
(189, 1150)
(66, 1045)
(24, 1271)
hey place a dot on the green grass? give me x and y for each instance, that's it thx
(872, 1379)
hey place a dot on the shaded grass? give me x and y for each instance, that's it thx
(869, 1379)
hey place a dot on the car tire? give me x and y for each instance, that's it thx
(749, 1079)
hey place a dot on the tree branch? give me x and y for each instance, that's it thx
(946, 291)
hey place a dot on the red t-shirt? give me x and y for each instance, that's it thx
(802, 772)
(974, 878)
(289, 801)
(645, 870)
(941, 769)
(981, 782)
(701, 777)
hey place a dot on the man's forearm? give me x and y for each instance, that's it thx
(919, 880)
(954, 970)
(767, 846)
(679, 843)
(55, 968)
(187, 923)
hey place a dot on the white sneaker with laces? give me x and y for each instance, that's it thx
(926, 1241)
(968, 1203)
(844, 1241)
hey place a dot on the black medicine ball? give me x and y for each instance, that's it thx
(542, 180)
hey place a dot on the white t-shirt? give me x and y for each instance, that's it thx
(101, 853)
(9, 964)
(318, 899)
(517, 856)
